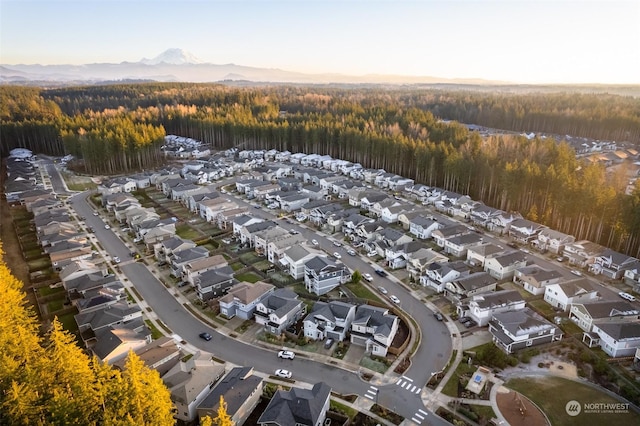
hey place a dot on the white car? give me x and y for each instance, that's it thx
(367, 277)
(95, 213)
(107, 227)
(337, 255)
(337, 244)
(383, 290)
(394, 299)
(576, 273)
(285, 374)
(116, 259)
(351, 252)
(286, 355)
(314, 242)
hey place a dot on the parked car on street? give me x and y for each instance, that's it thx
(438, 316)
(381, 272)
(285, 374)
(351, 252)
(337, 255)
(204, 335)
(367, 277)
(382, 290)
(286, 355)
(394, 299)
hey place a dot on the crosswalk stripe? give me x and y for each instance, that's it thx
(369, 396)
(423, 412)
(418, 390)
(419, 416)
(413, 419)
(407, 385)
(407, 378)
(398, 382)
(373, 388)
(413, 389)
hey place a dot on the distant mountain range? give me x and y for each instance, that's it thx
(175, 65)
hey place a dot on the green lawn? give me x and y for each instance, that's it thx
(362, 292)
(186, 232)
(155, 333)
(451, 388)
(552, 394)
(341, 408)
(68, 322)
(544, 308)
(46, 290)
(249, 277)
(55, 305)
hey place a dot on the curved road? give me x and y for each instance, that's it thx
(402, 397)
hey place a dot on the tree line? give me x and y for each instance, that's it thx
(119, 127)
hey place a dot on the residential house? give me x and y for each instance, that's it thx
(534, 279)
(482, 215)
(321, 275)
(516, 330)
(193, 269)
(588, 314)
(617, 339)
(114, 342)
(261, 239)
(563, 295)
(279, 310)
(500, 223)
(458, 245)
(277, 248)
(423, 227)
(468, 285)
(582, 253)
(419, 261)
(189, 383)
(482, 307)
(119, 184)
(632, 276)
(294, 259)
(438, 274)
(194, 199)
(293, 202)
(441, 235)
(503, 266)
(160, 355)
(248, 232)
(213, 283)
(209, 209)
(612, 264)
(300, 407)
(225, 218)
(179, 259)
(398, 256)
(240, 390)
(524, 230)
(164, 249)
(241, 299)
(478, 255)
(116, 314)
(552, 240)
(374, 328)
(329, 320)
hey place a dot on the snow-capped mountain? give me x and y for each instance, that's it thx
(173, 56)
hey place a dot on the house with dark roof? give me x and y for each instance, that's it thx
(300, 407)
(587, 315)
(482, 307)
(458, 245)
(321, 275)
(516, 330)
(189, 382)
(294, 259)
(213, 283)
(192, 269)
(524, 230)
(241, 299)
(534, 278)
(563, 295)
(419, 261)
(612, 264)
(114, 342)
(441, 235)
(582, 253)
(468, 285)
(552, 240)
(241, 391)
(478, 255)
(503, 266)
(482, 215)
(398, 256)
(617, 339)
(438, 274)
(279, 310)
(329, 320)
(374, 328)
(161, 355)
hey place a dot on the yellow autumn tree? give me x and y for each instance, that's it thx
(223, 418)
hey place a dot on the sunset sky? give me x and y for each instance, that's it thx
(518, 41)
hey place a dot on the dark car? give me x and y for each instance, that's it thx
(470, 323)
(463, 320)
(381, 272)
(328, 343)
(438, 316)
(205, 336)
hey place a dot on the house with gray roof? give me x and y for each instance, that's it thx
(503, 266)
(189, 382)
(277, 248)
(279, 310)
(241, 299)
(213, 283)
(164, 249)
(294, 202)
(552, 240)
(582, 253)
(303, 407)
(516, 330)
(178, 259)
(458, 245)
(423, 226)
(563, 295)
(329, 320)
(482, 307)
(321, 275)
(524, 230)
(617, 339)
(374, 328)
(441, 235)
(469, 285)
(478, 255)
(121, 312)
(240, 390)
(295, 258)
(612, 264)
(587, 314)
(248, 232)
(114, 343)
(534, 278)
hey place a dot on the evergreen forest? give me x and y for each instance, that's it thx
(410, 131)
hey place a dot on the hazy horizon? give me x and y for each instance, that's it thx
(527, 42)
